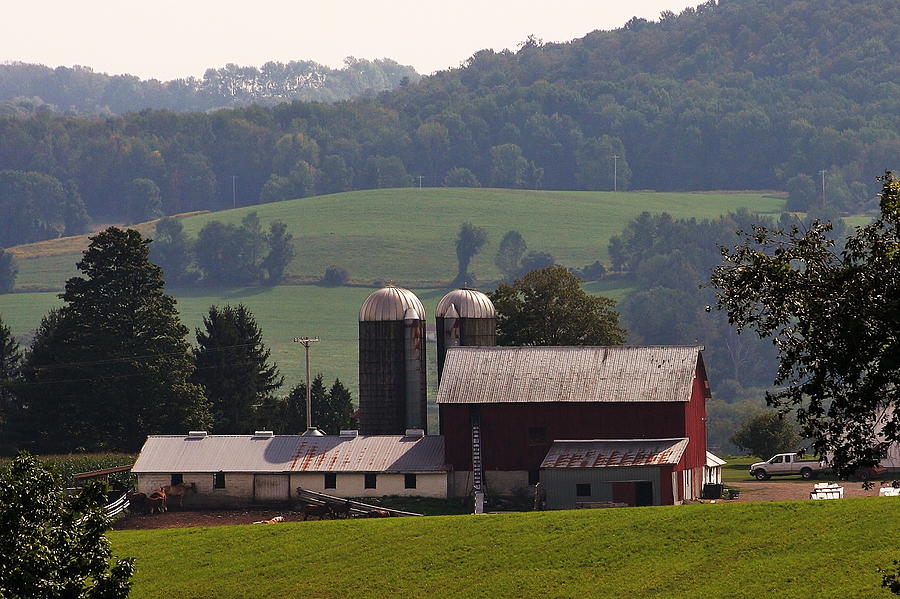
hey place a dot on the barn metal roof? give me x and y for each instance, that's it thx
(614, 453)
(390, 303)
(568, 374)
(291, 453)
(469, 303)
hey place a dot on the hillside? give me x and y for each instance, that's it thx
(791, 549)
(738, 94)
(407, 235)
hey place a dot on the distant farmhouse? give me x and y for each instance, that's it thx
(593, 425)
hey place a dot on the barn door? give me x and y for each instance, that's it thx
(271, 487)
(625, 493)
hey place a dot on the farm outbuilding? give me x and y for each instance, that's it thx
(630, 472)
(712, 472)
(516, 402)
(238, 470)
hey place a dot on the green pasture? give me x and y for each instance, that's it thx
(283, 312)
(407, 235)
(782, 549)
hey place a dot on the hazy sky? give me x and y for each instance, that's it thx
(167, 39)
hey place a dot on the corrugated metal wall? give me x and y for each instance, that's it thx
(560, 483)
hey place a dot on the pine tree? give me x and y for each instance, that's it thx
(233, 366)
(332, 409)
(10, 362)
(112, 365)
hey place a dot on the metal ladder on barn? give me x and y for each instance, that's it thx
(477, 468)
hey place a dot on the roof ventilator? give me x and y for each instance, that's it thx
(349, 433)
(415, 432)
(263, 434)
(196, 433)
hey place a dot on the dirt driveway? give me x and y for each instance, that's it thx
(772, 490)
(178, 519)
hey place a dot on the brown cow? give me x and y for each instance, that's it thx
(340, 510)
(319, 511)
(137, 503)
(179, 491)
(157, 502)
(378, 514)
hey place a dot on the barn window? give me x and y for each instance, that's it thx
(330, 480)
(409, 481)
(219, 480)
(370, 481)
(537, 435)
(177, 479)
(583, 490)
(534, 477)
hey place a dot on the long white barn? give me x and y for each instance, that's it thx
(232, 470)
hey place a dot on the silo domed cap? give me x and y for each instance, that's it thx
(469, 303)
(390, 303)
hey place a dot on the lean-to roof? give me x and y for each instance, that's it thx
(614, 453)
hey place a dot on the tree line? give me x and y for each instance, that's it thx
(712, 98)
(29, 88)
(113, 365)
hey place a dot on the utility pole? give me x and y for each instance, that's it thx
(822, 172)
(305, 341)
(615, 172)
(420, 181)
(233, 195)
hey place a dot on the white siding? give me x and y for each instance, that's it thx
(353, 484)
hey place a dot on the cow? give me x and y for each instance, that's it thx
(319, 511)
(340, 510)
(378, 514)
(157, 502)
(137, 503)
(179, 491)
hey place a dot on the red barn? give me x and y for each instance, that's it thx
(507, 406)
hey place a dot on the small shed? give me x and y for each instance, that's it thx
(633, 472)
(712, 472)
(234, 470)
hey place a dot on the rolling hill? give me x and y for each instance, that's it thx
(407, 235)
(788, 549)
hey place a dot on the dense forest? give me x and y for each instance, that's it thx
(26, 88)
(735, 94)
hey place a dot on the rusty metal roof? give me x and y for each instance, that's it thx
(291, 453)
(390, 303)
(614, 453)
(469, 303)
(568, 374)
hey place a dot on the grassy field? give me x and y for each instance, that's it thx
(283, 313)
(407, 235)
(789, 549)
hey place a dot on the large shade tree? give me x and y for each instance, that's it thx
(52, 544)
(112, 365)
(548, 307)
(835, 320)
(469, 242)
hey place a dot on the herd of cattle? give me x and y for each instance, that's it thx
(157, 502)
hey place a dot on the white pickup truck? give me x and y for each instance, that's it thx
(785, 463)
